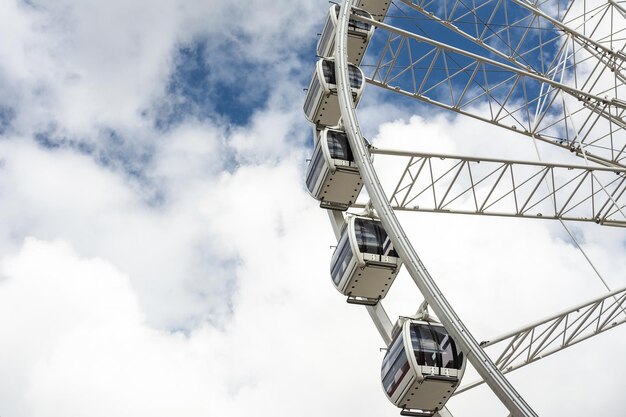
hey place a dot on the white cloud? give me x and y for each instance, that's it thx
(81, 66)
(216, 236)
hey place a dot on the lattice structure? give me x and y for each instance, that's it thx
(551, 70)
(556, 77)
(554, 334)
(485, 186)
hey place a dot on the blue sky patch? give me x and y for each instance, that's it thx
(198, 88)
(110, 149)
(6, 118)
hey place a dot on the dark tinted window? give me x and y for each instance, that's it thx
(353, 24)
(328, 68)
(341, 258)
(338, 146)
(450, 357)
(433, 346)
(355, 75)
(395, 366)
(315, 167)
(424, 345)
(372, 238)
(311, 97)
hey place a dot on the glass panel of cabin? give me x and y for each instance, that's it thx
(447, 347)
(372, 238)
(367, 236)
(425, 345)
(355, 24)
(338, 146)
(312, 96)
(341, 258)
(356, 76)
(395, 366)
(315, 167)
(328, 68)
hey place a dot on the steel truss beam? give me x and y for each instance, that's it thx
(514, 98)
(551, 335)
(497, 187)
(527, 31)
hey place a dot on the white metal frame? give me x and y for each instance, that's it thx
(548, 336)
(551, 335)
(459, 332)
(509, 188)
(465, 88)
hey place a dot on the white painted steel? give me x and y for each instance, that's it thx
(479, 359)
(508, 188)
(506, 67)
(600, 110)
(550, 335)
(607, 55)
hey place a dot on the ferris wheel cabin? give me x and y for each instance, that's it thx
(321, 106)
(377, 8)
(365, 263)
(333, 177)
(422, 367)
(359, 35)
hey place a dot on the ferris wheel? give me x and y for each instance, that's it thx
(549, 70)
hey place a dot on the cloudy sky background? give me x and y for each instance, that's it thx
(160, 256)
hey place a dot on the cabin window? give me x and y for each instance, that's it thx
(315, 167)
(312, 96)
(354, 74)
(355, 24)
(395, 366)
(338, 146)
(424, 345)
(433, 346)
(372, 238)
(450, 356)
(341, 258)
(328, 68)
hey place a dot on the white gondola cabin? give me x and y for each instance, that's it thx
(322, 103)
(359, 35)
(365, 263)
(422, 367)
(333, 177)
(377, 8)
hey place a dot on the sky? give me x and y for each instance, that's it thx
(159, 254)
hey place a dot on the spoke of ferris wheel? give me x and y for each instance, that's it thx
(508, 188)
(618, 7)
(535, 22)
(560, 57)
(461, 81)
(607, 61)
(503, 67)
(551, 335)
